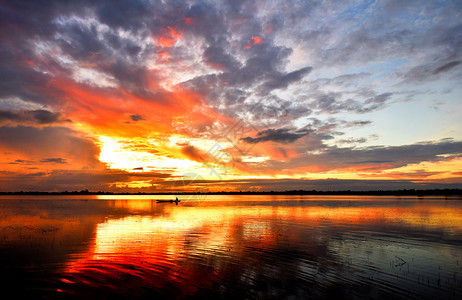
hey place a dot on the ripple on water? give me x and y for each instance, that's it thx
(315, 248)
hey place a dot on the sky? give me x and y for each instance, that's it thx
(165, 96)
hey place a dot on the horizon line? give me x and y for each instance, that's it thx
(416, 192)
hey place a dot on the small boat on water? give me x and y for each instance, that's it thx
(169, 201)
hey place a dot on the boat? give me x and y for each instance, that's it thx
(168, 201)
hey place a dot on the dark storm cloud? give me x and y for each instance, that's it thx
(261, 64)
(136, 118)
(54, 160)
(218, 58)
(23, 22)
(31, 116)
(22, 161)
(219, 24)
(396, 155)
(260, 67)
(118, 57)
(208, 21)
(17, 79)
(43, 116)
(79, 41)
(372, 157)
(47, 141)
(281, 135)
(68, 180)
(281, 81)
(123, 14)
(57, 23)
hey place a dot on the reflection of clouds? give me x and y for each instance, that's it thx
(273, 248)
(254, 230)
(135, 205)
(135, 234)
(208, 229)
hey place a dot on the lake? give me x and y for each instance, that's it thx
(254, 247)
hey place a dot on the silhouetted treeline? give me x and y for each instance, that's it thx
(404, 192)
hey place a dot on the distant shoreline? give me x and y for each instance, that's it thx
(404, 192)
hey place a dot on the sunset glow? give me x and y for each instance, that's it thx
(150, 96)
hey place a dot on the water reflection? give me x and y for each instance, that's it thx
(235, 246)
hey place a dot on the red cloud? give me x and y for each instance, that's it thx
(168, 37)
(103, 111)
(255, 40)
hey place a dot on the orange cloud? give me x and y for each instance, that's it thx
(168, 37)
(402, 175)
(164, 55)
(255, 40)
(106, 111)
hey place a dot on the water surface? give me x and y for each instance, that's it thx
(295, 247)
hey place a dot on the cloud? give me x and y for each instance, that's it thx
(218, 58)
(281, 135)
(54, 160)
(61, 143)
(418, 174)
(371, 158)
(281, 81)
(69, 180)
(39, 117)
(357, 123)
(193, 153)
(332, 184)
(346, 80)
(337, 102)
(136, 118)
(22, 161)
(352, 141)
(98, 44)
(196, 68)
(427, 71)
(446, 67)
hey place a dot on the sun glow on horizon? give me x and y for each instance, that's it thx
(117, 156)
